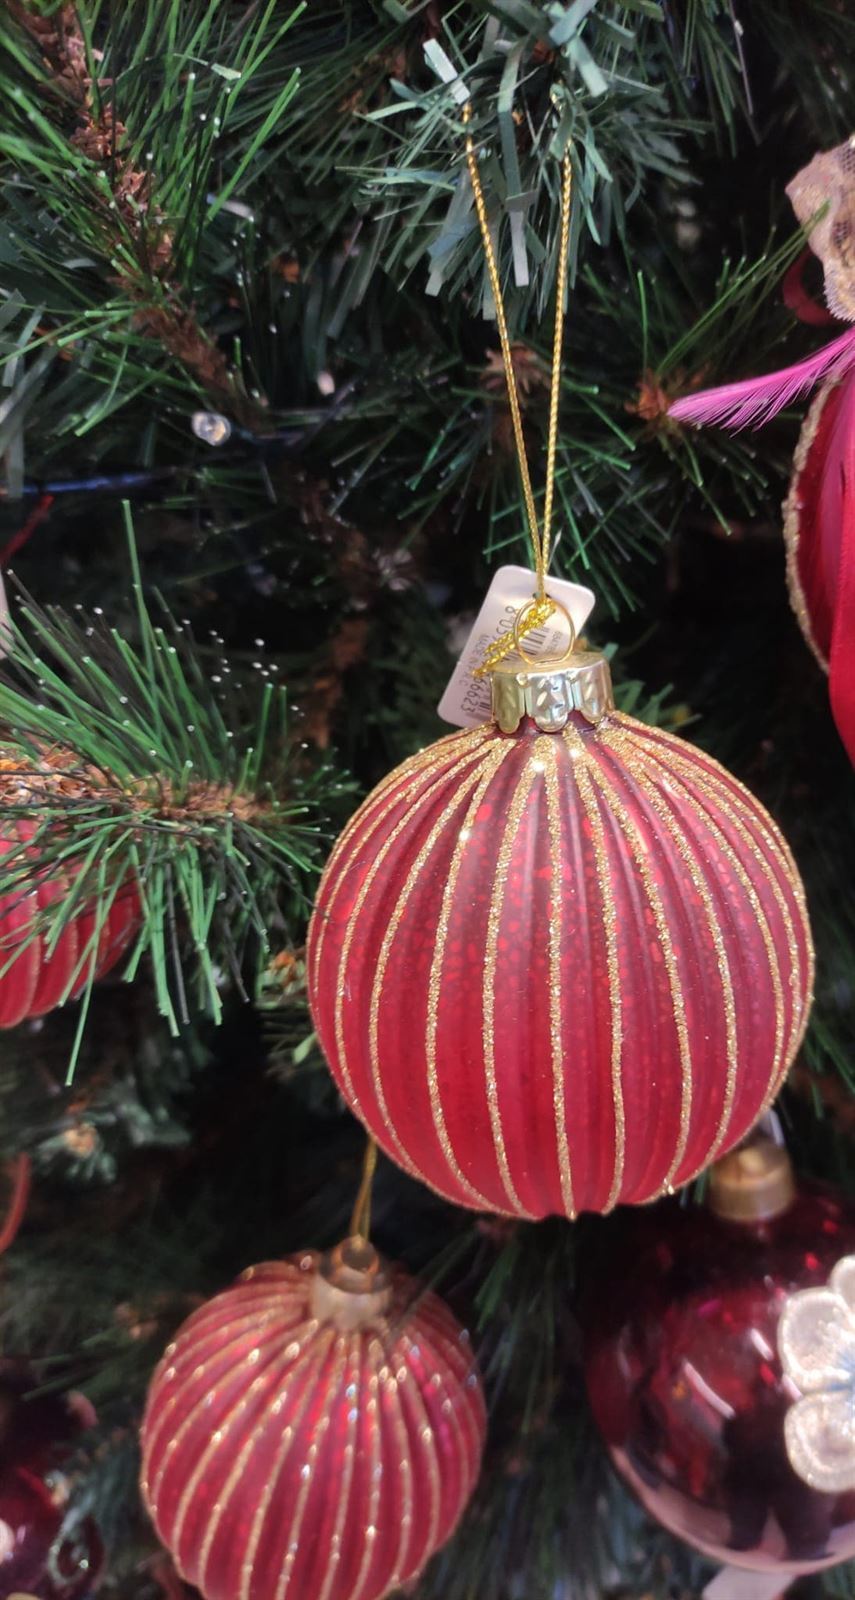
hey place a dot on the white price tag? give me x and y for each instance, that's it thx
(466, 701)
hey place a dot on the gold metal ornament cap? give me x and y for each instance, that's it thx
(549, 693)
(352, 1285)
(752, 1184)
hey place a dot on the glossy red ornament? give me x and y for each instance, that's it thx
(37, 1433)
(686, 1382)
(819, 528)
(39, 977)
(555, 970)
(313, 1433)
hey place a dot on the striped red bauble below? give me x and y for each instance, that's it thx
(313, 1433)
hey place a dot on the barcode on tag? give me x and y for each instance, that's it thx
(466, 701)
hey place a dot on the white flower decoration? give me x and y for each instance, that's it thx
(816, 1341)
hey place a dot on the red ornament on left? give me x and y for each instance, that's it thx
(35, 977)
(314, 1431)
(37, 1555)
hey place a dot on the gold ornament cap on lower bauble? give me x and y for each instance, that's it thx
(752, 1184)
(549, 692)
(352, 1285)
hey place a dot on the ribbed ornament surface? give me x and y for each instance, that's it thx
(552, 972)
(39, 978)
(284, 1459)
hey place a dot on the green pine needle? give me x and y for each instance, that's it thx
(217, 832)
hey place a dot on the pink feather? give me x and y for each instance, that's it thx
(756, 400)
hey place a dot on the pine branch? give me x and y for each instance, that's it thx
(139, 766)
(113, 199)
(605, 80)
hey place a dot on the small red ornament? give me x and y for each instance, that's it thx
(37, 1433)
(313, 1433)
(684, 1373)
(560, 962)
(41, 977)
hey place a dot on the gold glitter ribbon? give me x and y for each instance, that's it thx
(543, 607)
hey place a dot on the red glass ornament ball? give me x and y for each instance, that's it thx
(39, 977)
(37, 1554)
(306, 1440)
(686, 1384)
(813, 515)
(554, 971)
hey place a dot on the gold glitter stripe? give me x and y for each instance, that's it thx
(321, 917)
(756, 820)
(714, 772)
(454, 1365)
(449, 746)
(579, 768)
(317, 1437)
(703, 769)
(193, 1341)
(200, 1373)
(762, 823)
(403, 1460)
(791, 513)
(212, 1318)
(349, 1455)
(438, 762)
(267, 1379)
(488, 992)
(637, 767)
(556, 1003)
(440, 752)
(491, 767)
(405, 822)
(799, 1011)
(666, 945)
(474, 781)
(726, 802)
(309, 1371)
(373, 1361)
(407, 1386)
(714, 796)
(428, 1439)
(187, 1345)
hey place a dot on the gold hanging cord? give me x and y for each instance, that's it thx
(360, 1222)
(542, 607)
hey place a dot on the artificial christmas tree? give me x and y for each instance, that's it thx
(264, 271)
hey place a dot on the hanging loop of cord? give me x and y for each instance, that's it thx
(360, 1222)
(539, 533)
